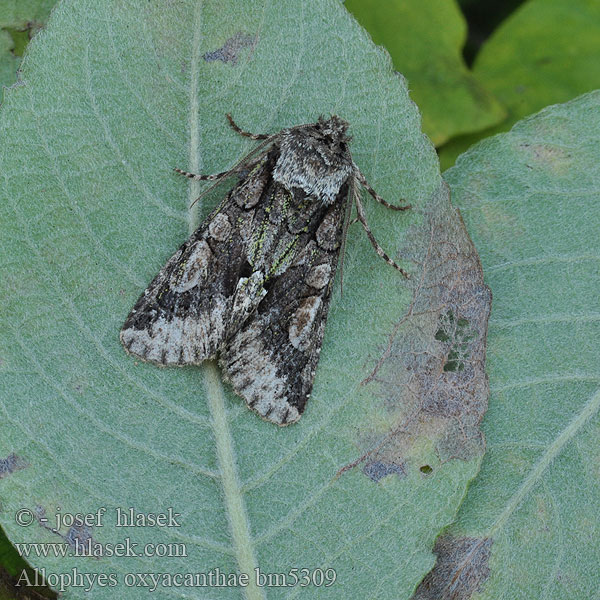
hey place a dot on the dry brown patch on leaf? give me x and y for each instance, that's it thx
(460, 570)
(430, 378)
(78, 536)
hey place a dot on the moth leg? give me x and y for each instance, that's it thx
(376, 196)
(361, 217)
(196, 177)
(253, 136)
(347, 223)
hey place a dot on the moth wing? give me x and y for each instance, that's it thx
(202, 293)
(272, 359)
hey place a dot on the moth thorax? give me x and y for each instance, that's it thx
(310, 165)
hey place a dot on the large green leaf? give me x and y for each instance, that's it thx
(530, 524)
(546, 52)
(425, 40)
(114, 95)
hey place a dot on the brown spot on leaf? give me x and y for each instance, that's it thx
(378, 469)
(10, 464)
(230, 50)
(78, 537)
(430, 377)
(460, 570)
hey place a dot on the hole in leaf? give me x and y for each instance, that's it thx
(457, 334)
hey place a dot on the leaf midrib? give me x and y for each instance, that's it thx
(567, 434)
(232, 489)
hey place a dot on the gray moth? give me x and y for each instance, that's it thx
(252, 285)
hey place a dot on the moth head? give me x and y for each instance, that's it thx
(332, 133)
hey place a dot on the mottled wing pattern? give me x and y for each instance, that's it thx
(207, 288)
(271, 360)
(252, 285)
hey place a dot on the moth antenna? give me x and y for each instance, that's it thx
(361, 178)
(196, 177)
(238, 129)
(361, 217)
(220, 176)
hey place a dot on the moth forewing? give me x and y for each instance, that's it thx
(251, 287)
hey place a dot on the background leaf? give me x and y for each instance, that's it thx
(530, 201)
(18, 20)
(546, 52)
(425, 40)
(114, 95)
(8, 61)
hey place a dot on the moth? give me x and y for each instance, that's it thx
(252, 285)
